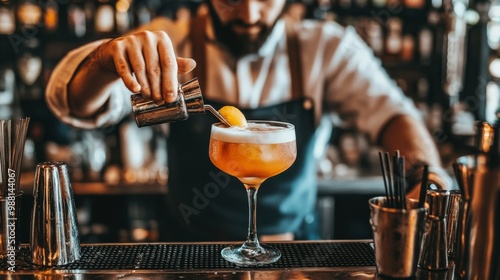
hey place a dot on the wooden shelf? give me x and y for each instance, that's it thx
(100, 188)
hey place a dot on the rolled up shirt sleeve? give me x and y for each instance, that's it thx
(360, 91)
(56, 93)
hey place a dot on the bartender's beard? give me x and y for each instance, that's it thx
(240, 45)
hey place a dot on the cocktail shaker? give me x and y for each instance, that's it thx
(54, 236)
(481, 217)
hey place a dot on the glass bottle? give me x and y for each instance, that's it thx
(393, 42)
(7, 18)
(105, 17)
(51, 16)
(123, 16)
(29, 15)
(77, 20)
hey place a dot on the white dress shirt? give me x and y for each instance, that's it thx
(340, 74)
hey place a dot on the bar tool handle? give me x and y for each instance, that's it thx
(216, 114)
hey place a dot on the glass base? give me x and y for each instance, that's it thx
(259, 256)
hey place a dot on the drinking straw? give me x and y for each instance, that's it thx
(390, 197)
(394, 179)
(12, 141)
(402, 185)
(18, 149)
(423, 186)
(5, 139)
(384, 173)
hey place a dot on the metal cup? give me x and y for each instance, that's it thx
(190, 101)
(54, 229)
(397, 236)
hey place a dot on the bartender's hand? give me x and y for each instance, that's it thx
(150, 57)
(437, 177)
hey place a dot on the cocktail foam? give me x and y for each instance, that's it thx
(255, 133)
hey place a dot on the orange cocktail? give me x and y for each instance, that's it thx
(252, 154)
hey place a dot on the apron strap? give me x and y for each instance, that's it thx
(294, 60)
(198, 49)
(293, 47)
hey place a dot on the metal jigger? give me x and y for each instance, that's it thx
(434, 254)
(147, 112)
(54, 229)
(189, 102)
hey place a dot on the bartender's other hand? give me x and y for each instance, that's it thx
(414, 192)
(150, 57)
(438, 178)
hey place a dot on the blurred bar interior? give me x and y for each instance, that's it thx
(444, 54)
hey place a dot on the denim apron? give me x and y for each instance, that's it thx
(205, 204)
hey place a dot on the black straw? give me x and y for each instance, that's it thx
(394, 179)
(423, 186)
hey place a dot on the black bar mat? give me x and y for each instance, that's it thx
(192, 257)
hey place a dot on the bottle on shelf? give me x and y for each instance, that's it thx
(393, 41)
(7, 72)
(29, 16)
(51, 16)
(375, 37)
(105, 18)
(123, 16)
(414, 4)
(7, 18)
(29, 70)
(407, 47)
(77, 19)
(7, 79)
(142, 13)
(425, 45)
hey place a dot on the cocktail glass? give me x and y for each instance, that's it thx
(253, 154)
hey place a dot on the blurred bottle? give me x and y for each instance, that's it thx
(7, 18)
(414, 4)
(123, 16)
(393, 43)
(77, 19)
(425, 45)
(28, 49)
(379, 3)
(144, 11)
(29, 70)
(51, 17)
(7, 78)
(29, 17)
(375, 37)
(105, 18)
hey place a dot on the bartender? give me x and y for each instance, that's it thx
(248, 54)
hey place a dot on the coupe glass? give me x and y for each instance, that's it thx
(253, 154)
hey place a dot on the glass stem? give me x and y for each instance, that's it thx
(252, 241)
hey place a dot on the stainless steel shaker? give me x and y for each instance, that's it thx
(54, 236)
(190, 101)
(484, 228)
(465, 167)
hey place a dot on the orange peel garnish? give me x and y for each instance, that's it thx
(233, 116)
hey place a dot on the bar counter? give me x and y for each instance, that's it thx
(300, 260)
